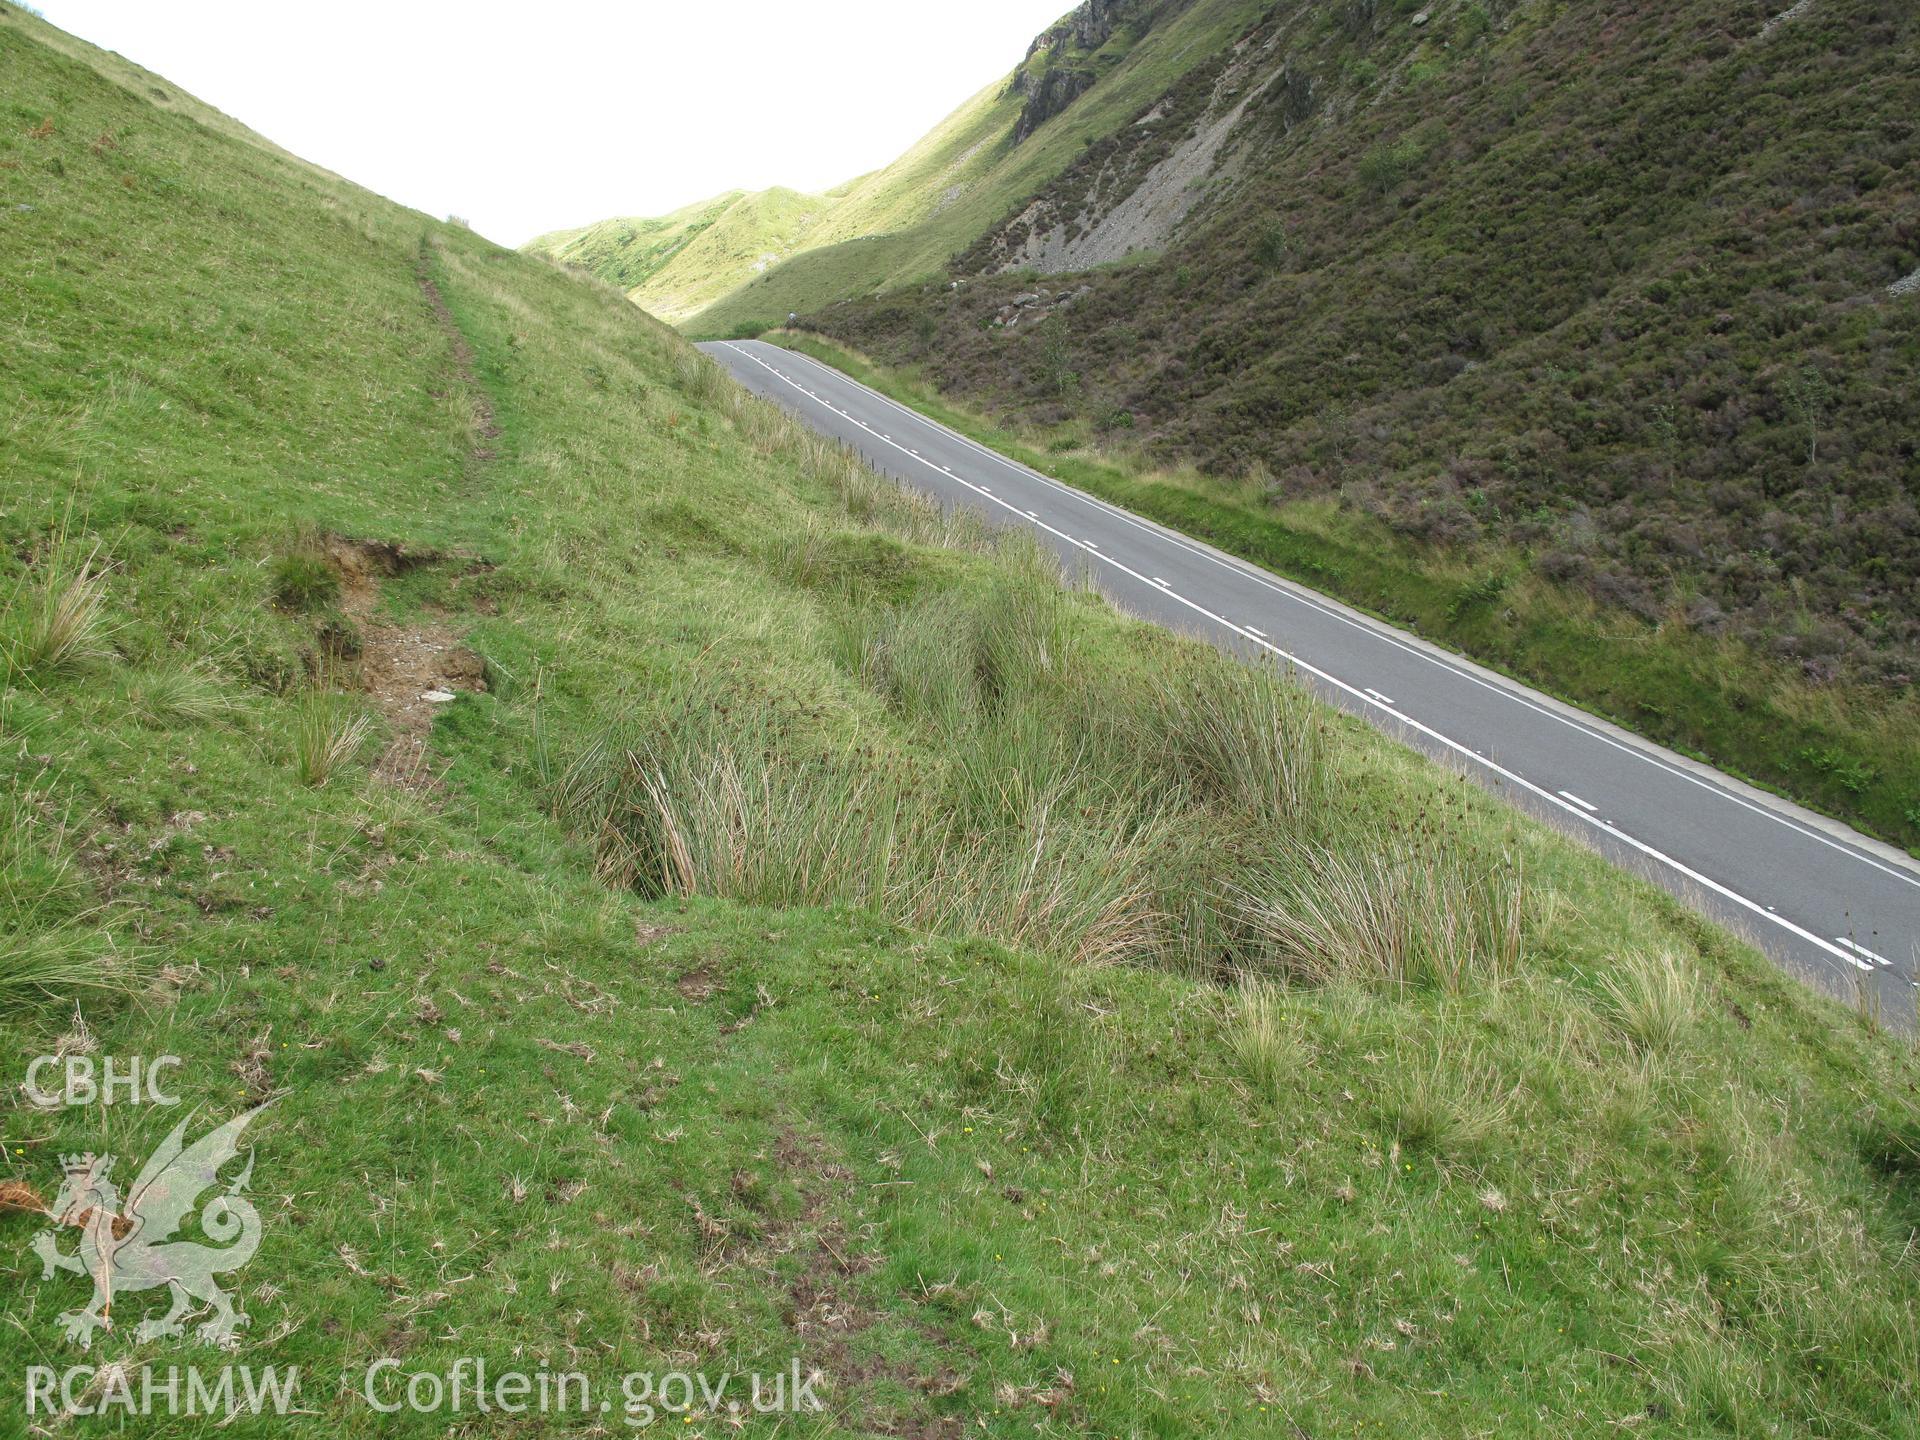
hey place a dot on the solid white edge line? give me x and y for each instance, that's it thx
(1295, 592)
(1447, 741)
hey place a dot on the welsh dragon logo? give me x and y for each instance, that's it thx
(129, 1248)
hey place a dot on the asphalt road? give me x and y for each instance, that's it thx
(1836, 907)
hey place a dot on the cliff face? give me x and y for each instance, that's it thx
(1048, 92)
(1058, 69)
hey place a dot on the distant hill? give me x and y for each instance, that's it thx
(628, 253)
(1080, 80)
(678, 264)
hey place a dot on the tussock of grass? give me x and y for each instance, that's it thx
(1890, 1143)
(328, 733)
(688, 812)
(1653, 1000)
(1246, 739)
(303, 581)
(707, 385)
(43, 966)
(1451, 1102)
(1402, 910)
(301, 577)
(52, 934)
(169, 696)
(57, 621)
(1268, 1048)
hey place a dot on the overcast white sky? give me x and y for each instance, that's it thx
(531, 117)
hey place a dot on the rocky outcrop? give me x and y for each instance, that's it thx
(1048, 93)
(1055, 72)
(1090, 26)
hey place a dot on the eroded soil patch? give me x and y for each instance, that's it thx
(407, 670)
(698, 985)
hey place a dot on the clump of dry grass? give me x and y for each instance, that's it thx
(683, 816)
(1242, 737)
(706, 384)
(1653, 1000)
(328, 733)
(1410, 914)
(871, 500)
(1453, 1103)
(38, 965)
(1267, 1047)
(51, 937)
(60, 621)
(170, 696)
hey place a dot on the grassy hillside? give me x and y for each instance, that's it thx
(676, 265)
(809, 930)
(753, 234)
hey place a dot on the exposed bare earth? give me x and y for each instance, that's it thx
(401, 665)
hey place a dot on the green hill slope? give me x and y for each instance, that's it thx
(752, 234)
(627, 253)
(903, 223)
(694, 908)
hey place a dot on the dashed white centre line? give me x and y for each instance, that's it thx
(1586, 805)
(1880, 960)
